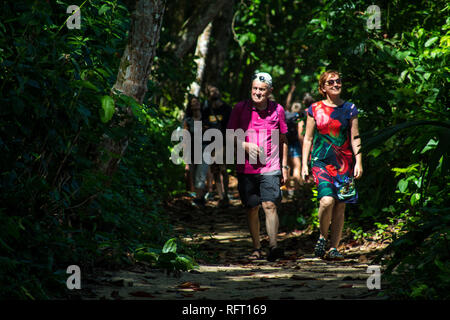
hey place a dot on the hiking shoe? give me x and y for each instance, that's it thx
(224, 203)
(334, 254)
(319, 250)
(290, 194)
(210, 195)
(199, 203)
(275, 253)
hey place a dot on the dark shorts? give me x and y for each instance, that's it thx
(256, 188)
(295, 149)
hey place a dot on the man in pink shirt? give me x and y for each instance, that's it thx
(265, 165)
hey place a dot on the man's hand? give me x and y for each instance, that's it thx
(284, 175)
(252, 149)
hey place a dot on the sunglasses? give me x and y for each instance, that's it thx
(261, 78)
(331, 82)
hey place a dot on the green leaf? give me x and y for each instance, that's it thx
(430, 145)
(103, 9)
(183, 263)
(107, 109)
(430, 41)
(375, 153)
(150, 257)
(86, 84)
(170, 246)
(414, 198)
(402, 185)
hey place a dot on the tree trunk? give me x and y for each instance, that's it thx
(218, 46)
(195, 26)
(133, 72)
(201, 52)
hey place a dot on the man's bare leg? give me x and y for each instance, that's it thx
(272, 222)
(254, 225)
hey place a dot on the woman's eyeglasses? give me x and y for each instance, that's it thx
(331, 82)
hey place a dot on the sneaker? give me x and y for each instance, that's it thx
(209, 195)
(290, 194)
(319, 250)
(334, 254)
(224, 203)
(199, 203)
(275, 253)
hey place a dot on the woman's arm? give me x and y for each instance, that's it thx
(356, 146)
(307, 143)
(300, 126)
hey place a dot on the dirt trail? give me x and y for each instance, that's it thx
(222, 237)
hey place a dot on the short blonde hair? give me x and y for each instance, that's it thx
(323, 78)
(296, 107)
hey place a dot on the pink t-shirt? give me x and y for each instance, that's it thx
(262, 128)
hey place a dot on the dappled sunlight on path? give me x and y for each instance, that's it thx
(221, 238)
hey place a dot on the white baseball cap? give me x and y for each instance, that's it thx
(263, 77)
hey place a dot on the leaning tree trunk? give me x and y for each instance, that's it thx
(217, 54)
(200, 52)
(195, 26)
(133, 74)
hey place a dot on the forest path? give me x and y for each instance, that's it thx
(222, 238)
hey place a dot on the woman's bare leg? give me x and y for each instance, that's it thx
(325, 213)
(337, 223)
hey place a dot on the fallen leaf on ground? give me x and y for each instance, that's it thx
(362, 259)
(141, 294)
(115, 295)
(300, 277)
(260, 298)
(344, 286)
(187, 295)
(200, 289)
(299, 285)
(188, 285)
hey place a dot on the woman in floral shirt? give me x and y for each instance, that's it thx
(333, 124)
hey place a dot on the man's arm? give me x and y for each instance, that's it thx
(284, 158)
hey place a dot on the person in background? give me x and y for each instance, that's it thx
(307, 101)
(216, 114)
(259, 181)
(197, 171)
(333, 124)
(295, 122)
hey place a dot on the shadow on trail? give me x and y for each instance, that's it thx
(222, 243)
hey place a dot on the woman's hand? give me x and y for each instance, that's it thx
(358, 171)
(305, 172)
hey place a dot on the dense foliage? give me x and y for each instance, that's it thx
(57, 209)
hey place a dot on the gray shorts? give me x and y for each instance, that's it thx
(257, 188)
